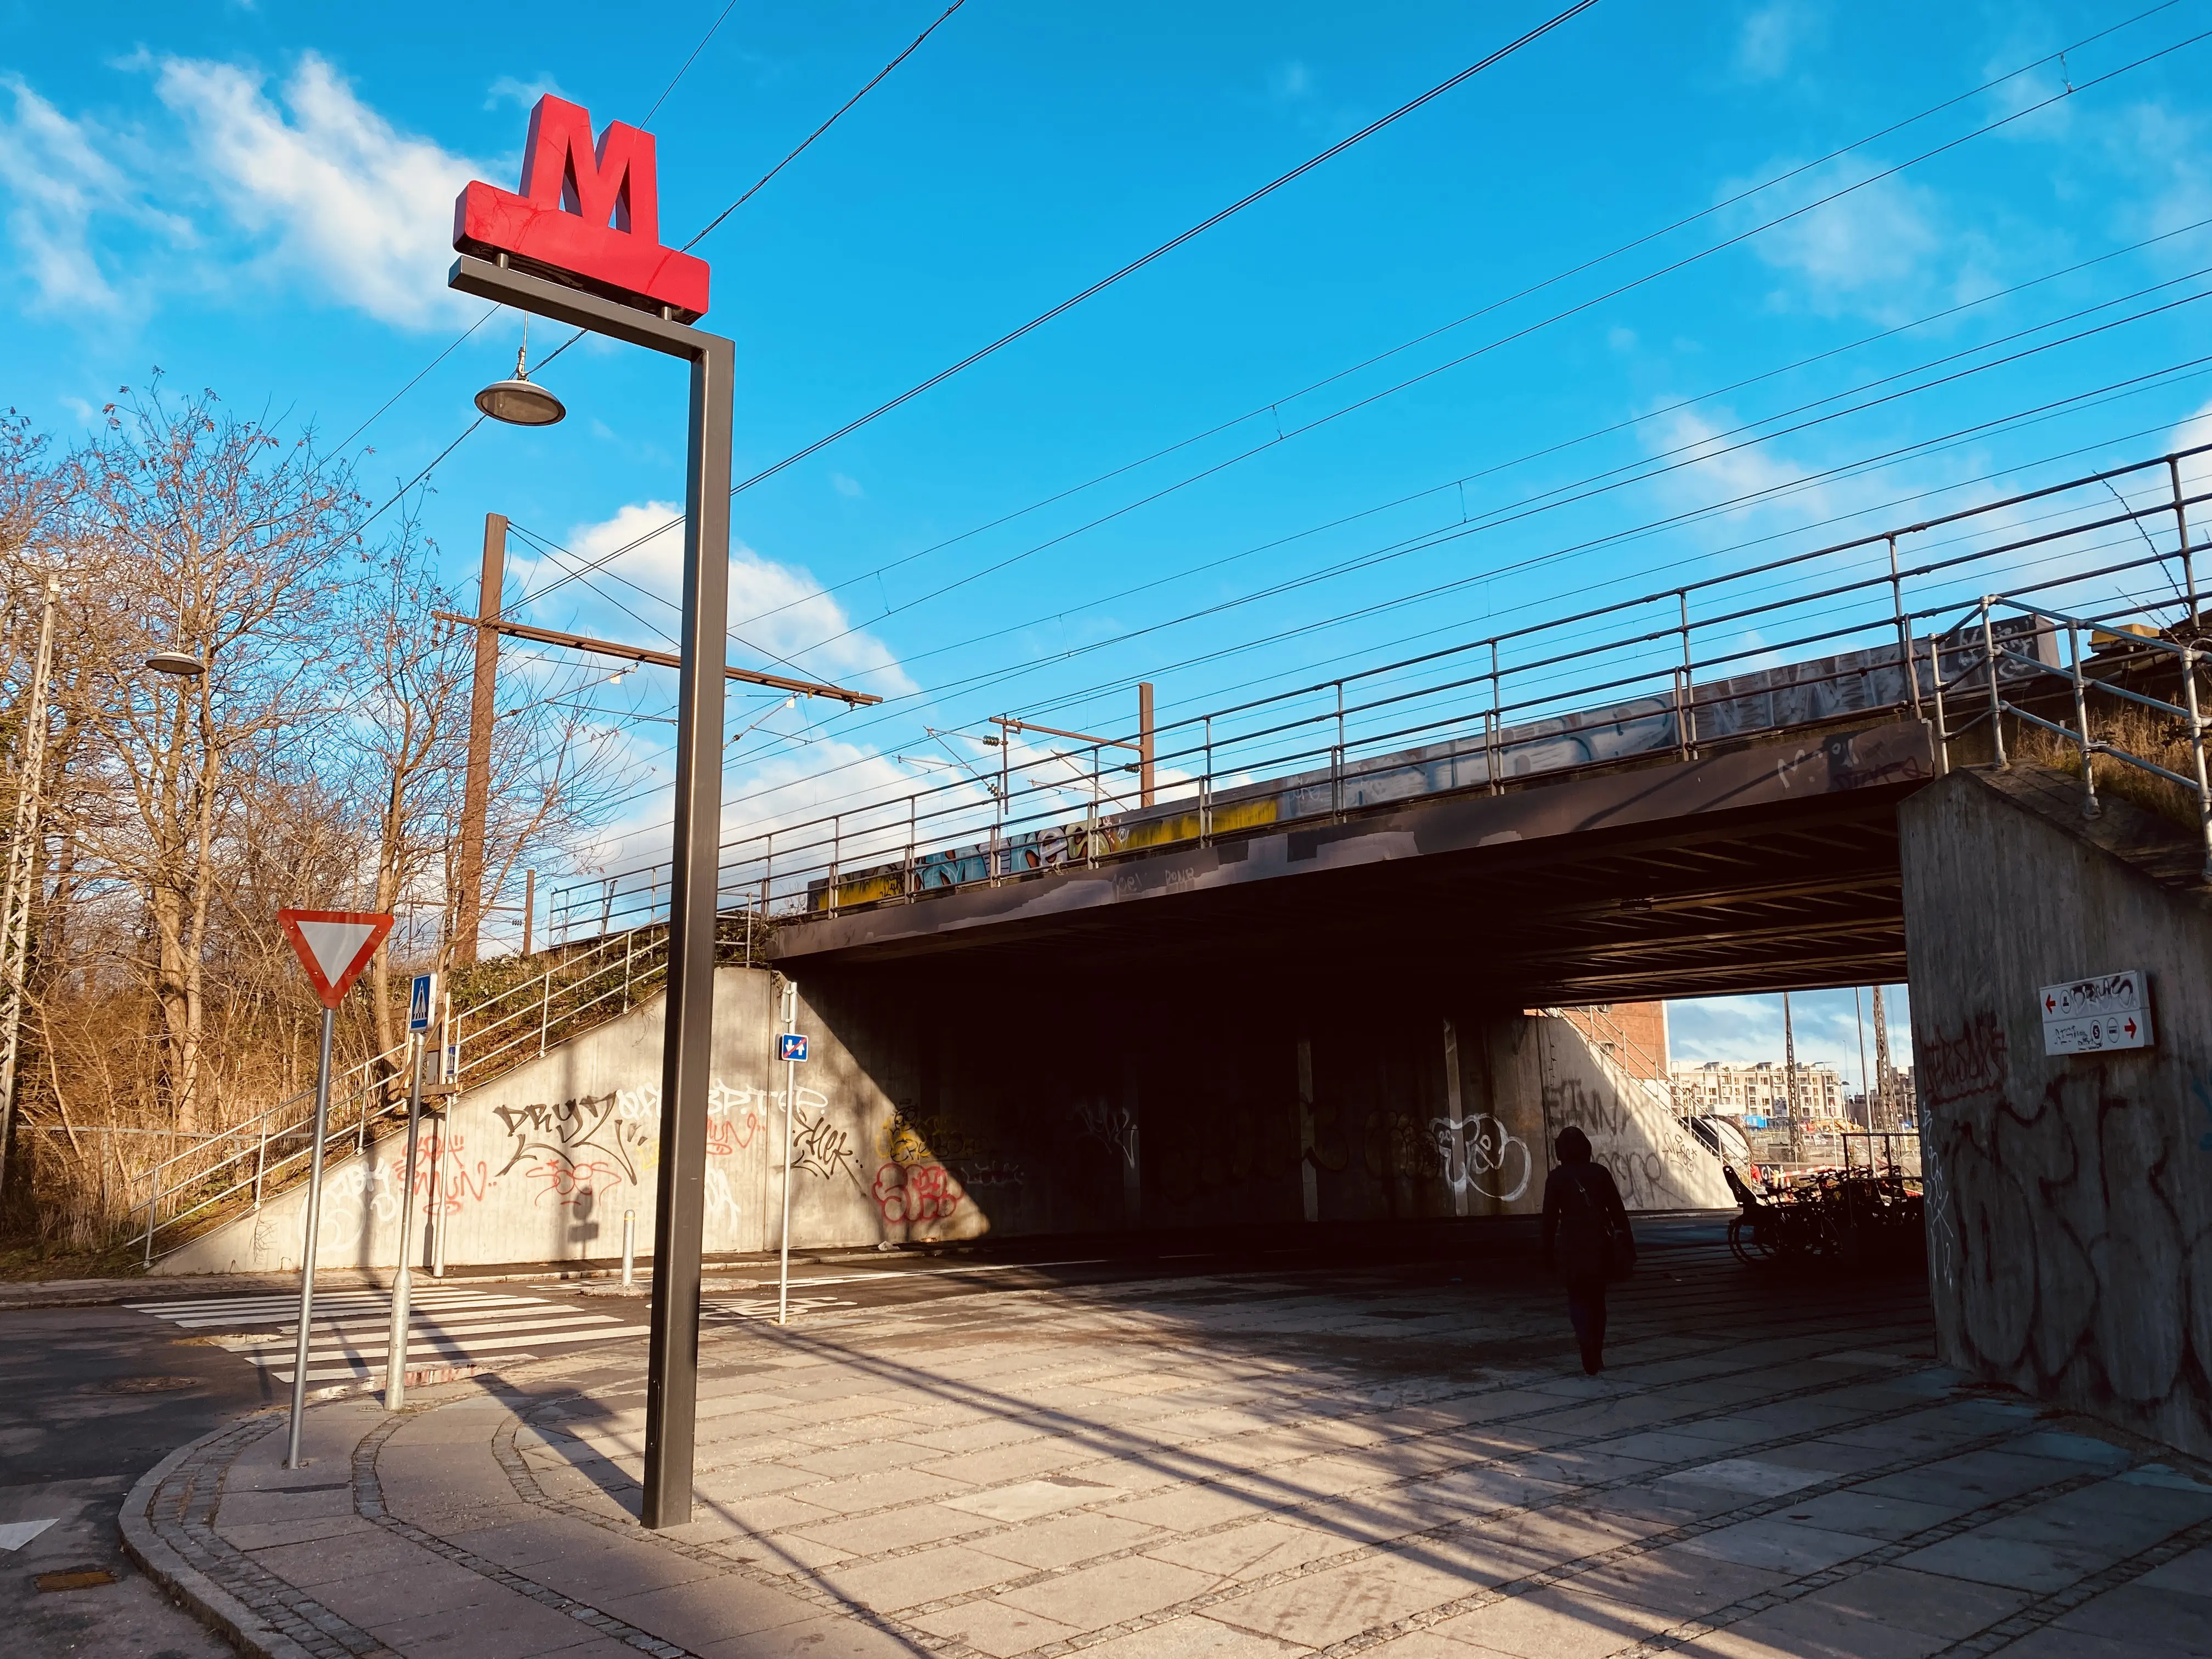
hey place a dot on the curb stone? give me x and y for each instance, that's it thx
(213, 1607)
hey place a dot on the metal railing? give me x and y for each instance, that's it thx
(2084, 679)
(1675, 673)
(577, 990)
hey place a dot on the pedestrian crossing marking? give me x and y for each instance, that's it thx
(349, 1336)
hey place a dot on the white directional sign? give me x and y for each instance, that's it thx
(2088, 1016)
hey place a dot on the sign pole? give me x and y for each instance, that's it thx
(333, 947)
(395, 1376)
(313, 1234)
(790, 1110)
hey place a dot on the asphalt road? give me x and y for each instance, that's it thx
(91, 1398)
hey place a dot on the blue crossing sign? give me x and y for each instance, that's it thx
(790, 1045)
(421, 1000)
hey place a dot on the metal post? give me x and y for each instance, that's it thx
(1336, 760)
(1789, 1081)
(307, 1244)
(1091, 822)
(629, 1249)
(2181, 524)
(395, 1368)
(687, 1053)
(790, 1111)
(436, 1195)
(629, 951)
(545, 1012)
(1942, 723)
(1904, 631)
(836, 849)
(24, 872)
(1685, 714)
(2089, 807)
(475, 787)
(529, 906)
(2188, 658)
(1493, 756)
(1206, 790)
(260, 1160)
(1996, 698)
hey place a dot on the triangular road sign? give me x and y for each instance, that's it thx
(334, 946)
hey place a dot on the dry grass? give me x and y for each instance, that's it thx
(2143, 732)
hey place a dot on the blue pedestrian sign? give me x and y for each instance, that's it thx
(790, 1045)
(421, 1000)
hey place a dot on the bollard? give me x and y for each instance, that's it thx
(629, 1249)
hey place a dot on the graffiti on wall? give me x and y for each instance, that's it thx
(2073, 1258)
(1478, 1155)
(1112, 1127)
(1960, 1068)
(819, 1147)
(585, 1130)
(1654, 1163)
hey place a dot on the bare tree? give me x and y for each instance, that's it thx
(222, 541)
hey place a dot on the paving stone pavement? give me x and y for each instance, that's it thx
(1400, 1462)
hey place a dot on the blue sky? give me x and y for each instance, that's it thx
(258, 199)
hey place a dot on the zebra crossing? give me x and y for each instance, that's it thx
(349, 1339)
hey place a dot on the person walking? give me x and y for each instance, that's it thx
(1587, 1241)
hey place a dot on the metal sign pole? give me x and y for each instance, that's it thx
(672, 1389)
(307, 1247)
(395, 1376)
(790, 1111)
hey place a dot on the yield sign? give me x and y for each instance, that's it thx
(334, 946)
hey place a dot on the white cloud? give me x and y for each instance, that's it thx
(59, 177)
(1771, 35)
(1870, 251)
(342, 195)
(1290, 81)
(845, 486)
(796, 621)
(509, 90)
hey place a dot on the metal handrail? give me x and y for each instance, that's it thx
(2187, 656)
(944, 834)
(209, 1176)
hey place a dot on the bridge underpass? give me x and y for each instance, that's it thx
(1772, 866)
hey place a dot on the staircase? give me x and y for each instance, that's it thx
(577, 990)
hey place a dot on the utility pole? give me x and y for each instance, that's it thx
(24, 867)
(1881, 1060)
(475, 788)
(1789, 1081)
(1144, 741)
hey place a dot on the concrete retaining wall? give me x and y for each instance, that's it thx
(2070, 1198)
(931, 1115)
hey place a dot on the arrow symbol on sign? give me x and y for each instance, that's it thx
(2050, 1004)
(2131, 1027)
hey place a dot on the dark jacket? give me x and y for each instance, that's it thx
(1581, 1207)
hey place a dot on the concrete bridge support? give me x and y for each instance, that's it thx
(2070, 1197)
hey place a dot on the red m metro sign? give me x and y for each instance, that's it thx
(589, 215)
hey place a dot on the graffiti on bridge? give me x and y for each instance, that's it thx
(1112, 1127)
(1480, 1154)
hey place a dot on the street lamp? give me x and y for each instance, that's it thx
(517, 402)
(182, 663)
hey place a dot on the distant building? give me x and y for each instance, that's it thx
(1721, 1088)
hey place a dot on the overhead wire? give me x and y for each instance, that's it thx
(1524, 332)
(1143, 260)
(2035, 415)
(2019, 114)
(1273, 404)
